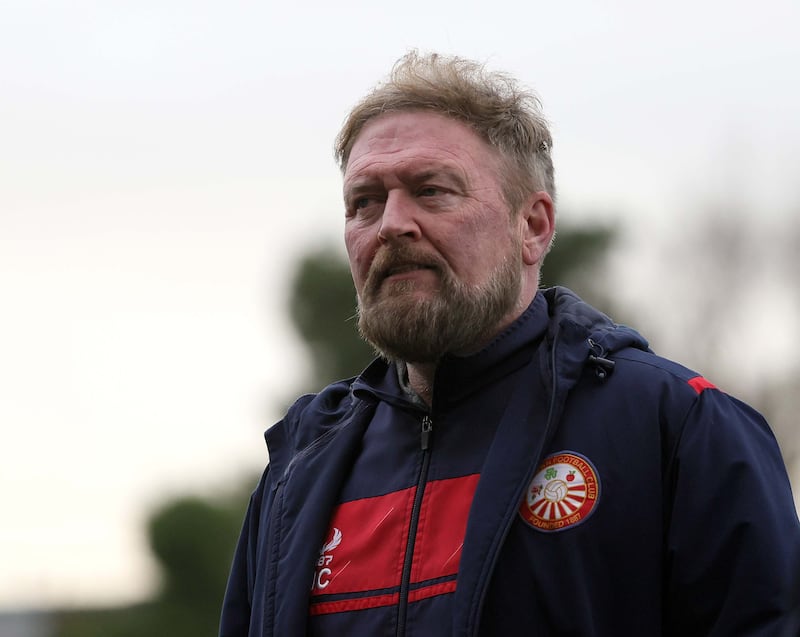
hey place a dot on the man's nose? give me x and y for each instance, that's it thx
(399, 219)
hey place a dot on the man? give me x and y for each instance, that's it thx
(514, 463)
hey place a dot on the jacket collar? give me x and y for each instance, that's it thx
(459, 376)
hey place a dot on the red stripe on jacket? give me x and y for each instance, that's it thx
(366, 545)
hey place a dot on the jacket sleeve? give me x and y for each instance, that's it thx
(733, 537)
(236, 607)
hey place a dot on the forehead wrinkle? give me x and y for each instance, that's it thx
(409, 170)
(386, 157)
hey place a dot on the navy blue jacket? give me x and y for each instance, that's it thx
(566, 481)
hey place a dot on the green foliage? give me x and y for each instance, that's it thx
(193, 539)
(577, 257)
(579, 261)
(323, 309)
(118, 622)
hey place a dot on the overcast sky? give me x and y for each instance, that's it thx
(163, 163)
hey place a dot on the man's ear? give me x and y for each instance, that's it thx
(537, 218)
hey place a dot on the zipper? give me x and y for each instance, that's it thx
(273, 544)
(405, 580)
(425, 436)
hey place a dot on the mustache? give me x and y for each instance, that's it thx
(390, 260)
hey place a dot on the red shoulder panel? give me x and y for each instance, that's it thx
(698, 383)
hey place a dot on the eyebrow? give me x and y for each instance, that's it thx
(443, 172)
(368, 182)
(359, 188)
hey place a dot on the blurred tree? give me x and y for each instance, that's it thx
(193, 539)
(323, 300)
(322, 306)
(579, 261)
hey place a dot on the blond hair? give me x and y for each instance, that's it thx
(509, 118)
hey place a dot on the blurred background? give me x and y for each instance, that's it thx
(171, 268)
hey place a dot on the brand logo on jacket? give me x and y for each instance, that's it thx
(563, 493)
(322, 576)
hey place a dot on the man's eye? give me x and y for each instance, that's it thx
(364, 206)
(428, 191)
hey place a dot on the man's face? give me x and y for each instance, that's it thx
(435, 256)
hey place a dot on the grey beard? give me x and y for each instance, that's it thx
(459, 319)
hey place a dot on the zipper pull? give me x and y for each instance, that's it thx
(427, 427)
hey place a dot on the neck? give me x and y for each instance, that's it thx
(420, 377)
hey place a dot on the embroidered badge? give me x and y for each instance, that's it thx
(322, 576)
(564, 492)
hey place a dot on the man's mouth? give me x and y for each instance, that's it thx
(406, 267)
(398, 265)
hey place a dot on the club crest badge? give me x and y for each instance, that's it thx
(563, 493)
